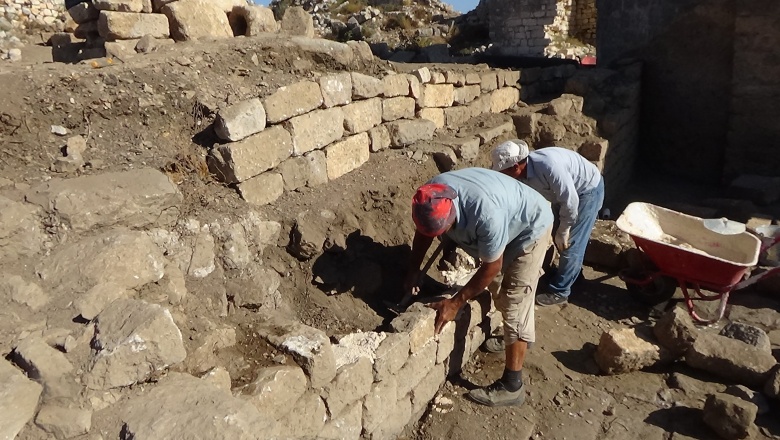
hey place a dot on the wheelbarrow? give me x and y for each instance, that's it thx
(686, 251)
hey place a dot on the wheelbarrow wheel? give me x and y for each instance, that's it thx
(659, 290)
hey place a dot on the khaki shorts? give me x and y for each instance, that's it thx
(514, 292)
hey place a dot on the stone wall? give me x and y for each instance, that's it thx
(539, 27)
(35, 14)
(709, 89)
(754, 131)
(311, 132)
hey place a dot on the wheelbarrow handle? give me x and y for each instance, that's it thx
(753, 280)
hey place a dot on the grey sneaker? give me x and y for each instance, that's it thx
(494, 344)
(496, 395)
(550, 299)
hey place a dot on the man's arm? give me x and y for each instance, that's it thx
(448, 308)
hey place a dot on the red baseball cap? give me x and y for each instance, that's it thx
(432, 209)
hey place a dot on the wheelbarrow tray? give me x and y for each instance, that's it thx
(683, 248)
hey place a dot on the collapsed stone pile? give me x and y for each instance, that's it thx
(22, 16)
(120, 28)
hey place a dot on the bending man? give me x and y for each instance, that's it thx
(567, 179)
(506, 226)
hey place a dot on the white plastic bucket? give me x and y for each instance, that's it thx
(771, 256)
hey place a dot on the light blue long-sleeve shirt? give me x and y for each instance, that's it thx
(496, 214)
(561, 176)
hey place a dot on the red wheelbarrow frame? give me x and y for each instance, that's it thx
(717, 276)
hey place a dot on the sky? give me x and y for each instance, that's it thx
(459, 5)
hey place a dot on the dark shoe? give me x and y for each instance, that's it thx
(497, 395)
(550, 299)
(494, 344)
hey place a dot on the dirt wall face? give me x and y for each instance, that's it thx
(753, 129)
(686, 47)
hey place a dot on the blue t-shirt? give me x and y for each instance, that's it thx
(496, 214)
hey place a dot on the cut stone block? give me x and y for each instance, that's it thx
(481, 105)
(730, 359)
(730, 417)
(466, 94)
(128, 25)
(456, 78)
(489, 134)
(488, 82)
(418, 322)
(315, 130)
(92, 302)
(18, 400)
(375, 405)
(347, 426)
(305, 421)
(398, 417)
(64, 422)
(457, 116)
(355, 346)
(336, 89)
(676, 331)
(395, 85)
(351, 384)
(293, 100)
(435, 115)
(365, 86)
(380, 138)
(424, 392)
(473, 78)
(503, 99)
(197, 19)
(594, 150)
(240, 161)
(423, 75)
(407, 132)
(624, 350)
(417, 367)
(608, 246)
(347, 155)
(240, 120)
(119, 5)
(297, 22)
(748, 334)
(398, 108)
(438, 95)
(262, 189)
(276, 390)
(560, 106)
(391, 355)
(446, 341)
(362, 116)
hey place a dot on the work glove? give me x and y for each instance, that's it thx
(562, 239)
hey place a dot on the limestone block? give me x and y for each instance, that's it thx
(731, 359)
(395, 85)
(93, 301)
(347, 155)
(749, 395)
(21, 233)
(624, 350)
(315, 130)
(415, 89)
(503, 99)
(438, 95)
(127, 258)
(347, 426)
(365, 86)
(488, 82)
(351, 384)
(119, 5)
(276, 390)
(473, 78)
(397, 419)
(135, 199)
(423, 74)
(730, 416)
(18, 400)
(121, 48)
(772, 386)
(456, 78)
(202, 261)
(418, 322)
(318, 167)
(512, 79)
(391, 355)
(464, 148)
(361, 50)
(489, 134)
(397, 108)
(305, 421)
(129, 25)
(46, 365)
(609, 246)
(424, 392)
(481, 105)
(457, 116)
(133, 340)
(22, 292)
(336, 89)
(297, 21)
(295, 171)
(319, 47)
(83, 13)
(197, 19)
(183, 406)
(293, 100)
(676, 331)
(240, 120)
(266, 283)
(417, 367)
(594, 150)
(466, 94)
(406, 132)
(262, 189)
(63, 422)
(560, 106)
(240, 161)
(435, 115)
(362, 116)
(258, 19)
(310, 347)
(380, 138)
(375, 405)
(446, 342)
(307, 236)
(438, 78)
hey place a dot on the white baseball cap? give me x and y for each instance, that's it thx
(508, 154)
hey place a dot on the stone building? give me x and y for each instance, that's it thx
(34, 14)
(540, 27)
